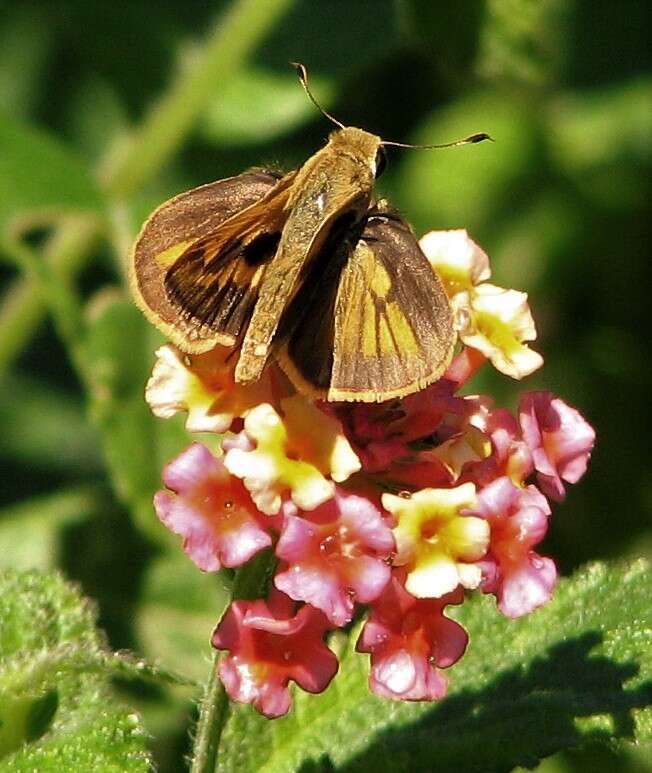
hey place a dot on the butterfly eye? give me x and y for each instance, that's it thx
(381, 161)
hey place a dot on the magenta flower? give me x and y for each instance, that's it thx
(521, 579)
(560, 439)
(211, 510)
(399, 505)
(381, 434)
(336, 555)
(270, 646)
(368, 427)
(409, 640)
(509, 456)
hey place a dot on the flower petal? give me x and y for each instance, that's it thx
(335, 556)
(211, 510)
(456, 258)
(267, 471)
(497, 322)
(204, 386)
(266, 652)
(560, 440)
(436, 540)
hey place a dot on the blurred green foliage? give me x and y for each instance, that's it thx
(560, 202)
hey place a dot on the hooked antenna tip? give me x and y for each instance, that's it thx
(480, 137)
(300, 70)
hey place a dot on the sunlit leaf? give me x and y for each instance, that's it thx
(39, 173)
(577, 670)
(259, 105)
(57, 711)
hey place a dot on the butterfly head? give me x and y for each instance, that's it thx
(352, 141)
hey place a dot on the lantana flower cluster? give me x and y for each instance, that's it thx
(387, 512)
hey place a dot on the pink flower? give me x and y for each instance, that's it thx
(336, 555)
(368, 427)
(560, 440)
(419, 441)
(269, 645)
(290, 456)
(409, 640)
(521, 579)
(400, 505)
(211, 510)
(509, 456)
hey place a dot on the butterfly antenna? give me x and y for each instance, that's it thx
(303, 77)
(480, 137)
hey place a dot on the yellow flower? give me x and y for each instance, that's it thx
(497, 321)
(318, 438)
(435, 541)
(456, 258)
(490, 319)
(203, 385)
(471, 445)
(292, 454)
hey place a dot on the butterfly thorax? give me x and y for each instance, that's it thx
(339, 176)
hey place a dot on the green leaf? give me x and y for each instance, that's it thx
(34, 425)
(340, 38)
(30, 532)
(258, 106)
(179, 608)
(576, 671)
(57, 711)
(602, 139)
(26, 37)
(97, 115)
(446, 33)
(119, 351)
(524, 41)
(39, 173)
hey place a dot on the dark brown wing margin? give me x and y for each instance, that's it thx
(185, 225)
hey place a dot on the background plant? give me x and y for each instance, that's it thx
(103, 114)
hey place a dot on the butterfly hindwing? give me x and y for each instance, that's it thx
(375, 323)
(200, 256)
(393, 323)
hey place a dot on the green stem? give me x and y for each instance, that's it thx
(125, 170)
(214, 711)
(24, 304)
(233, 38)
(250, 582)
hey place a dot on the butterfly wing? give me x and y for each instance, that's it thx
(200, 257)
(334, 184)
(375, 322)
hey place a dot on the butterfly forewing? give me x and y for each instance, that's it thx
(201, 255)
(379, 325)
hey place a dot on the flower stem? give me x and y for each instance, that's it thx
(250, 581)
(212, 718)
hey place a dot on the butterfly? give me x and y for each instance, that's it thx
(305, 268)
